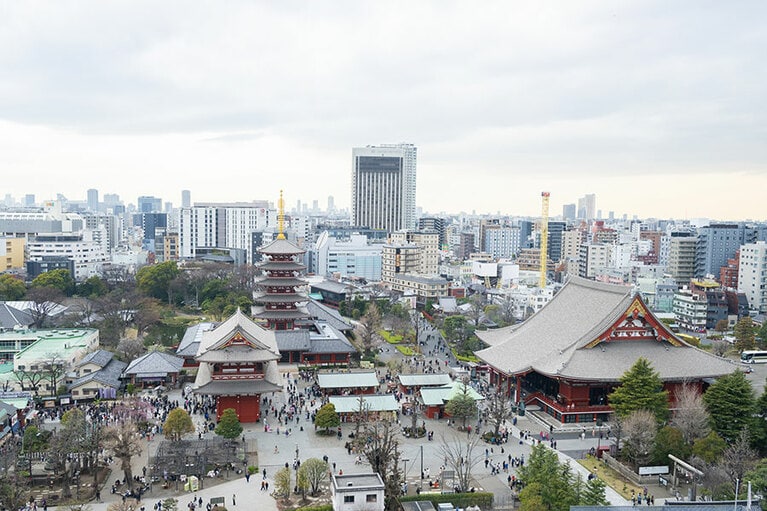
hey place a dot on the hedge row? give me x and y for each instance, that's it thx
(463, 500)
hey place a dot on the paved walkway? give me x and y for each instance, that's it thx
(274, 451)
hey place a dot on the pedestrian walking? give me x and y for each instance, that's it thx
(234, 499)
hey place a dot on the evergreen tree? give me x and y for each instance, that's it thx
(549, 484)
(641, 389)
(669, 440)
(462, 406)
(327, 417)
(593, 493)
(732, 404)
(709, 448)
(745, 334)
(229, 425)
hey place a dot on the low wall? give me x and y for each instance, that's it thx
(627, 472)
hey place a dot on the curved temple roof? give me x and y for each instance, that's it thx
(574, 337)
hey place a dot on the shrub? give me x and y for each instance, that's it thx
(405, 350)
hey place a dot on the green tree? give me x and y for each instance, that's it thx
(59, 279)
(229, 425)
(155, 280)
(641, 389)
(177, 424)
(669, 440)
(282, 482)
(758, 477)
(552, 482)
(92, 287)
(35, 440)
(709, 448)
(745, 338)
(11, 288)
(761, 335)
(731, 404)
(315, 471)
(327, 417)
(593, 493)
(462, 406)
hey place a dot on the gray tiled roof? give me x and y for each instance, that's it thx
(239, 323)
(325, 313)
(237, 353)
(109, 375)
(332, 286)
(581, 307)
(281, 246)
(191, 341)
(329, 340)
(11, 317)
(610, 360)
(292, 340)
(240, 387)
(155, 362)
(99, 357)
(553, 341)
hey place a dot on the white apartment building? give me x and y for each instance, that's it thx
(752, 275)
(354, 257)
(594, 258)
(88, 255)
(224, 225)
(429, 243)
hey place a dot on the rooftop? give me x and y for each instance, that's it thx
(347, 380)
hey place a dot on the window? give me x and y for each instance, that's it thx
(371, 498)
(348, 499)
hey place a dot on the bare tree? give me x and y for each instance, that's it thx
(739, 457)
(498, 410)
(130, 349)
(382, 452)
(54, 367)
(148, 312)
(477, 302)
(459, 455)
(125, 442)
(29, 380)
(506, 310)
(13, 484)
(720, 348)
(369, 324)
(44, 301)
(315, 471)
(639, 430)
(691, 416)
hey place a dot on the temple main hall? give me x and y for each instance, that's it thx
(568, 357)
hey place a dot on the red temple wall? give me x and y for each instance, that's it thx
(248, 408)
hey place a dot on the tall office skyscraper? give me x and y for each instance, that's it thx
(383, 186)
(186, 199)
(93, 200)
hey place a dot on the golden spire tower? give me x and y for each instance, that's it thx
(281, 218)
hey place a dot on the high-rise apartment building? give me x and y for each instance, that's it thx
(383, 187)
(717, 243)
(681, 257)
(568, 211)
(223, 225)
(752, 275)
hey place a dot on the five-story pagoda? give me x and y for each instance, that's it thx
(279, 302)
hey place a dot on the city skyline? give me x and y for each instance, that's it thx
(657, 109)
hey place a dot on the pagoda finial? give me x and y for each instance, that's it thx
(281, 218)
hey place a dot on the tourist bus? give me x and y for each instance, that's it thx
(753, 357)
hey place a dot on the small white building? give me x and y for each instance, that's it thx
(356, 492)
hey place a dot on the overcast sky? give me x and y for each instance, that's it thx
(657, 107)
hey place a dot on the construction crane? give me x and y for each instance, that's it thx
(544, 238)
